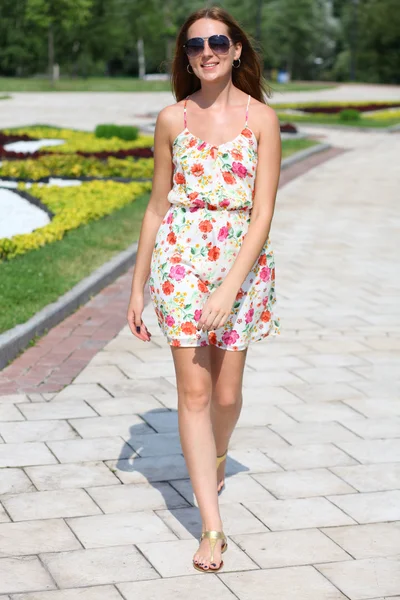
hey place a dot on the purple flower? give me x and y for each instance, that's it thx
(249, 315)
(239, 169)
(170, 321)
(197, 314)
(177, 272)
(230, 337)
(223, 234)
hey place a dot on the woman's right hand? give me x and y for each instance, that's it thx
(135, 310)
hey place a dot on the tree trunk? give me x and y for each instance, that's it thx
(51, 53)
(141, 58)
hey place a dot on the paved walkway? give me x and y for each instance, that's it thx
(85, 110)
(96, 502)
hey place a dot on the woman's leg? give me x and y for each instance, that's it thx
(194, 383)
(227, 379)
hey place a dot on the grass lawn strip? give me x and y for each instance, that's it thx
(321, 119)
(124, 84)
(30, 282)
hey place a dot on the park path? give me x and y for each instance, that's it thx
(85, 110)
(95, 498)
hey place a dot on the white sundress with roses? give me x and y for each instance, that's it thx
(199, 239)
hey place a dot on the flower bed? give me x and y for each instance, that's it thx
(335, 107)
(72, 207)
(72, 165)
(83, 141)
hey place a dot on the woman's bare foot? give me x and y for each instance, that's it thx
(202, 557)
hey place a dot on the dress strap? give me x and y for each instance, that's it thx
(184, 112)
(247, 110)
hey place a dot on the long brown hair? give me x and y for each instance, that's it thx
(248, 77)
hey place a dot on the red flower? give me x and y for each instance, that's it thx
(175, 343)
(168, 288)
(228, 177)
(175, 258)
(262, 259)
(197, 170)
(180, 178)
(212, 338)
(236, 154)
(246, 132)
(205, 226)
(202, 286)
(188, 328)
(213, 253)
(265, 316)
(171, 238)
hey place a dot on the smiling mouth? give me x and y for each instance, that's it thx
(209, 65)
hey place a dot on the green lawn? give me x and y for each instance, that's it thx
(30, 282)
(334, 120)
(292, 146)
(120, 84)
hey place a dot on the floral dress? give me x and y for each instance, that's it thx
(199, 239)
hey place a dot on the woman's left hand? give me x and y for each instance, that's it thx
(217, 309)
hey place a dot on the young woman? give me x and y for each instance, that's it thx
(205, 245)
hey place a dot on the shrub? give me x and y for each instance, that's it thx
(123, 132)
(72, 207)
(349, 114)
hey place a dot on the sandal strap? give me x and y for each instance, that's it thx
(221, 458)
(213, 536)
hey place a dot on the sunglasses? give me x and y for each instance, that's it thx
(219, 44)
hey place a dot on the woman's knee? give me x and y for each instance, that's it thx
(227, 400)
(194, 398)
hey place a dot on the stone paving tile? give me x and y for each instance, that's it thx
(371, 478)
(239, 488)
(373, 451)
(324, 392)
(153, 468)
(49, 505)
(178, 588)
(23, 574)
(139, 496)
(140, 403)
(370, 507)
(255, 415)
(36, 431)
(280, 584)
(102, 374)
(367, 541)
(25, 454)
(74, 475)
(363, 579)
(317, 411)
(4, 518)
(14, 481)
(97, 566)
(255, 437)
(290, 548)
(186, 522)
(102, 448)
(303, 484)
(9, 412)
(154, 444)
(375, 428)
(173, 559)
(326, 374)
(140, 386)
(110, 426)
(13, 398)
(104, 592)
(375, 407)
(67, 409)
(318, 433)
(83, 391)
(32, 537)
(300, 513)
(120, 528)
(309, 456)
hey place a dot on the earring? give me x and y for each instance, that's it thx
(187, 69)
(236, 66)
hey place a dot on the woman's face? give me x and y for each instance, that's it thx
(208, 65)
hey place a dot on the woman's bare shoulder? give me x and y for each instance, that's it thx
(170, 118)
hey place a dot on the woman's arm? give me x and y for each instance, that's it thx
(154, 214)
(219, 304)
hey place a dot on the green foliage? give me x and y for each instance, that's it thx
(349, 114)
(123, 132)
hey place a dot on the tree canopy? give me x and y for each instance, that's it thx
(311, 39)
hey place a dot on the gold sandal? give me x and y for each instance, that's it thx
(213, 536)
(221, 459)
